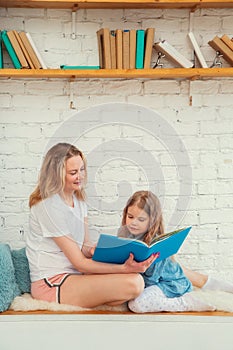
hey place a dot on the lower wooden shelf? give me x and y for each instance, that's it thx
(159, 73)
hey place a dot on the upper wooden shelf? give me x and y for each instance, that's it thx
(94, 4)
(159, 73)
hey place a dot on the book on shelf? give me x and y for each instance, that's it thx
(219, 45)
(125, 48)
(140, 41)
(1, 52)
(113, 48)
(132, 48)
(103, 38)
(173, 54)
(10, 50)
(64, 66)
(30, 50)
(229, 42)
(26, 54)
(149, 42)
(17, 48)
(113, 249)
(42, 63)
(119, 55)
(197, 50)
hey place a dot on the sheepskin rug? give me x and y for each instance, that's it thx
(222, 301)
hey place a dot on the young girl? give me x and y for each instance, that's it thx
(166, 285)
(58, 247)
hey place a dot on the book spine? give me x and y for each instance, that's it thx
(132, 48)
(43, 65)
(140, 38)
(10, 50)
(149, 41)
(26, 54)
(197, 50)
(119, 57)
(125, 46)
(1, 53)
(225, 38)
(30, 50)
(113, 48)
(17, 48)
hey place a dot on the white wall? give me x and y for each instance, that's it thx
(198, 115)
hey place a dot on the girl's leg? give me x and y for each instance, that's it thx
(154, 300)
(94, 290)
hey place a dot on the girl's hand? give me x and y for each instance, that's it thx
(131, 265)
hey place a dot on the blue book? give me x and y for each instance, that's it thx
(10, 50)
(140, 47)
(64, 66)
(113, 249)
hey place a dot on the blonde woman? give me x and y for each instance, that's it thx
(58, 247)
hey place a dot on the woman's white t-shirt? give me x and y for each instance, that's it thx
(49, 218)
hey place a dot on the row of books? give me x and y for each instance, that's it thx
(21, 50)
(224, 46)
(125, 49)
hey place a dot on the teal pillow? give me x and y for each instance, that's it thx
(8, 285)
(22, 273)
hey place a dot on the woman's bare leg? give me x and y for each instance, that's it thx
(94, 290)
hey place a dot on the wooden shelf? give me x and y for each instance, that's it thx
(159, 73)
(94, 4)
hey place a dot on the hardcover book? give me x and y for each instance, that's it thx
(219, 45)
(140, 43)
(174, 55)
(10, 50)
(197, 50)
(149, 41)
(113, 249)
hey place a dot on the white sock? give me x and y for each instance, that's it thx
(153, 299)
(214, 284)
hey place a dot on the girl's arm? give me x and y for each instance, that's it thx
(88, 266)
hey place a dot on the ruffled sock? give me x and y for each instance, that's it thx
(215, 284)
(153, 299)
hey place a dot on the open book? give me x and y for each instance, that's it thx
(113, 249)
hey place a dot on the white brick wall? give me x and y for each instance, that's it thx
(32, 111)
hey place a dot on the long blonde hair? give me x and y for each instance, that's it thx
(52, 173)
(148, 202)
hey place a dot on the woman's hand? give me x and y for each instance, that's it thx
(131, 265)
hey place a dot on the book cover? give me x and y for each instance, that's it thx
(10, 50)
(225, 38)
(132, 48)
(140, 41)
(26, 54)
(113, 249)
(218, 45)
(103, 37)
(149, 42)
(174, 55)
(119, 55)
(197, 50)
(113, 48)
(30, 50)
(17, 48)
(125, 48)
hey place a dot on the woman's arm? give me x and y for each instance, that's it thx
(88, 247)
(84, 265)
